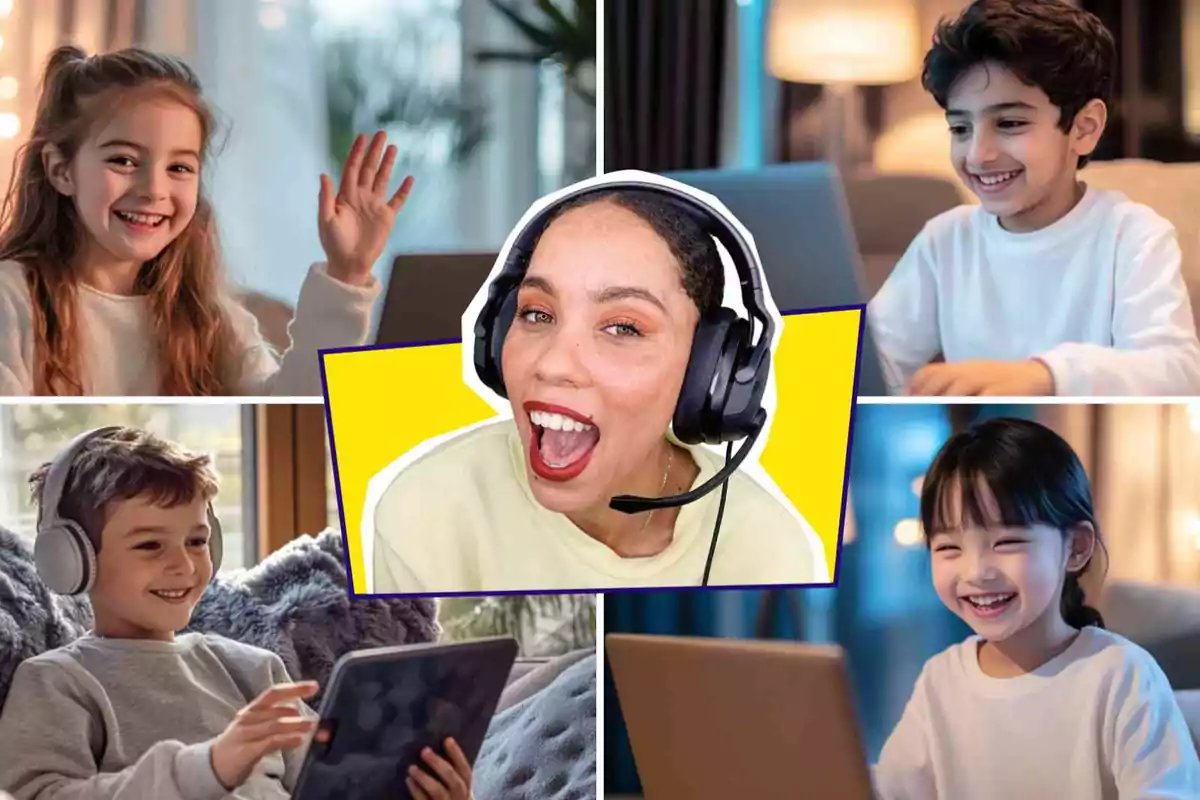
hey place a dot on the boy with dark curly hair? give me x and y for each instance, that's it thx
(1049, 286)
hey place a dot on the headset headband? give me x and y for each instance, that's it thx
(713, 222)
(55, 482)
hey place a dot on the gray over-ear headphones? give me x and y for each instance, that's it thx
(65, 557)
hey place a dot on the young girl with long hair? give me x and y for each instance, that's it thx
(1042, 701)
(111, 281)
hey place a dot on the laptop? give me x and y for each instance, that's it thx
(800, 220)
(711, 719)
(427, 294)
(790, 209)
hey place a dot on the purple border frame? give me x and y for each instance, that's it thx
(354, 594)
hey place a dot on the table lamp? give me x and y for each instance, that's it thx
(842, 44)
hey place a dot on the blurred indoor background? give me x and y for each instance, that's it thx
(492, 103)
(760, 82)
(1144, 464)
(756, 81)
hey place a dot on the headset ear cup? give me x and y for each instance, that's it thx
(216, 541)
(718, 426)
(692, 407)
(65, 559)
(739, 386)
(504, 320)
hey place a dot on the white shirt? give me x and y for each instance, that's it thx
(1098, 722)
(1098, 296)
(462, 518)
(119, 355)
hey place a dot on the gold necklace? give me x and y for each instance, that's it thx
(666, 472)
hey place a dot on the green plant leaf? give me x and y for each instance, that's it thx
(571, 619)
(558, 20)
(492, 56)
(539, 37)
(577, 36)
(354, 65)
(567, 40)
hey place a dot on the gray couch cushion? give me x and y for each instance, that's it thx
(544, 747)
(1163, 619)
(527, 683)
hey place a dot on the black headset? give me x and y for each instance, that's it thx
(721, 397)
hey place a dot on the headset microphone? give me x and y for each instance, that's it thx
(629, 504)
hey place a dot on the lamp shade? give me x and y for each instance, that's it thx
(843, 41)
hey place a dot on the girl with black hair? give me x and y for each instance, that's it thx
(1042, 701)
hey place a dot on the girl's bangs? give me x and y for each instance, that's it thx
(967, 496)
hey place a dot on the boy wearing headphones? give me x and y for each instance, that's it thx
(131, 709)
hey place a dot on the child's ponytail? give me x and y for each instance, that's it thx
(1075, 610)
(62, 58)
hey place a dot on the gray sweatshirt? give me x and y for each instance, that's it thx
(119, 719)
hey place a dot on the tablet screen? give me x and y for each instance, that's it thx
(384, 706)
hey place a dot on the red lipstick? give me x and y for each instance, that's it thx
(539, 466)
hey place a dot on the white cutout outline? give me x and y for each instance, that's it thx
(503, 409)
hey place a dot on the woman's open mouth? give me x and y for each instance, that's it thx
(989, 605)
(562, 441)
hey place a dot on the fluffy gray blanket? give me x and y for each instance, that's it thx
(542, 744)
(294, 603)
(32, 618)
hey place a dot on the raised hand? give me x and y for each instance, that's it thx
(270, 722)
(441, 779)
(354, 225)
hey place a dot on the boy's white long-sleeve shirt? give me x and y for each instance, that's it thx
(119, 347)
(1099, 722)
(1098, 296)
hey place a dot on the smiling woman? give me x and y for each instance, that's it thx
(595, 359)
(606, 334)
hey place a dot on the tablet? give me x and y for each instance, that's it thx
(383, 706)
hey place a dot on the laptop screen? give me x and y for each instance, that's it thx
(427, 294)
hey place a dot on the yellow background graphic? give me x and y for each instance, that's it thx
(384, 402)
